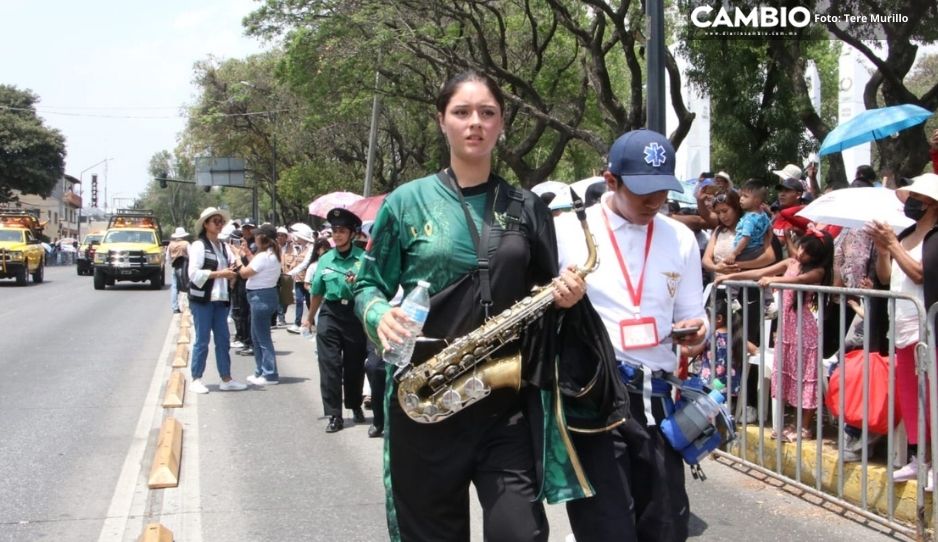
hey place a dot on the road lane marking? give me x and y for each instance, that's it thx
(133, 472)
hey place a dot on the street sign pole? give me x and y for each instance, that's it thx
(654, 12)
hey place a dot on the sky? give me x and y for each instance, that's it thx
(112, 76)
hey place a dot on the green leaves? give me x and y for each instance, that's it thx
(32, 156)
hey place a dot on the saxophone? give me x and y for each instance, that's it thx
(463, 373)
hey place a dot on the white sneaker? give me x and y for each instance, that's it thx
(197, 386)
(255, 380)
(906, 473)
(232, 385)
(295, 329)
(237, 344)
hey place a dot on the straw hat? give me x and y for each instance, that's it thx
(180, 233)
(208, 213)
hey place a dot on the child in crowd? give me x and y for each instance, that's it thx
(713, 369)
(811, 263)
(749, 242)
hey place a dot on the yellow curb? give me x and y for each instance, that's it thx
(877, 495)
(175, 391)
(165, 470)
(155, 532)
(181, 358)
(183, 336)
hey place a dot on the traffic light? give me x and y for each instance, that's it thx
(162, 179)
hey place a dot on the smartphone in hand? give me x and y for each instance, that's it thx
(678, 332)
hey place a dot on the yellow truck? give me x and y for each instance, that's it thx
(130, 250)
(21, 252)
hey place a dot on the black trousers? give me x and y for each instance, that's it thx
(639, 483)
(375, 370)
(340, 347)
(432, 465)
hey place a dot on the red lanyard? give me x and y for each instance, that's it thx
(636, 295)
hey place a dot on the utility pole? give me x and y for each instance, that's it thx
(372, 136)
(654, 54)
(273, 165)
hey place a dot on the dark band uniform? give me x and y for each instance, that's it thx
(340, 338)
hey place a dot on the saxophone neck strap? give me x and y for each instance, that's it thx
(481, 241)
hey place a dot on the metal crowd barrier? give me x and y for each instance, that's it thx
(824, 479)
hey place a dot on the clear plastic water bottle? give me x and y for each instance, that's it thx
(416, 306)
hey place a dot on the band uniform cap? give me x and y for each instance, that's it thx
(341, 217)
(248, 223)
(644, 160)
(925, 184)
(180, 233)
(208, 213)
(790, 171)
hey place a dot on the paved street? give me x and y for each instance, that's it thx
(79, 414)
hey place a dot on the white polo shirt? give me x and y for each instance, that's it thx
(673, 285)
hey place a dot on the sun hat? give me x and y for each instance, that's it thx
(644, 160)
(304, 232)
(925, 184)
(228, 231)
(724, 175)
(208, 213)
(281, 229)
(180, 233)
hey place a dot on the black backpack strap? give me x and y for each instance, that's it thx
(513, 212)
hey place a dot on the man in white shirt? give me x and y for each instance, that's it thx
(647, 285)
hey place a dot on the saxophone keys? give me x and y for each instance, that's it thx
(451, 400)
(411, 402)
(476, 388)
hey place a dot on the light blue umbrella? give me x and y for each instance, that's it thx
(873, 124)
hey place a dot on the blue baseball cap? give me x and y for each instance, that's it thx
(644, 160)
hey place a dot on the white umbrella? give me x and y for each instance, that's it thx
(855, 207)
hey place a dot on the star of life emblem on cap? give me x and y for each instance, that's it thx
(655, 154)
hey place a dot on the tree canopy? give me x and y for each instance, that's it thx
(32, 155)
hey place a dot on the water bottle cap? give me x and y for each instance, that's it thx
(424, 284)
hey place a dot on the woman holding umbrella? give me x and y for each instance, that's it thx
(909, 264)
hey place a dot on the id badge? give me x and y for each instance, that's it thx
(638, 333)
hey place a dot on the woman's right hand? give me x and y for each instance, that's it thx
(392, 327)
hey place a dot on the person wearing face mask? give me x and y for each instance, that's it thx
(909, 264)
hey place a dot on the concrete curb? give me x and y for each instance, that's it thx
(876, 483)
(165, 470)
(155, 532)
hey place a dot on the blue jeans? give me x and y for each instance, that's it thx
(173, 292)
(300, 297)
(264, 304)
(211, 319)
